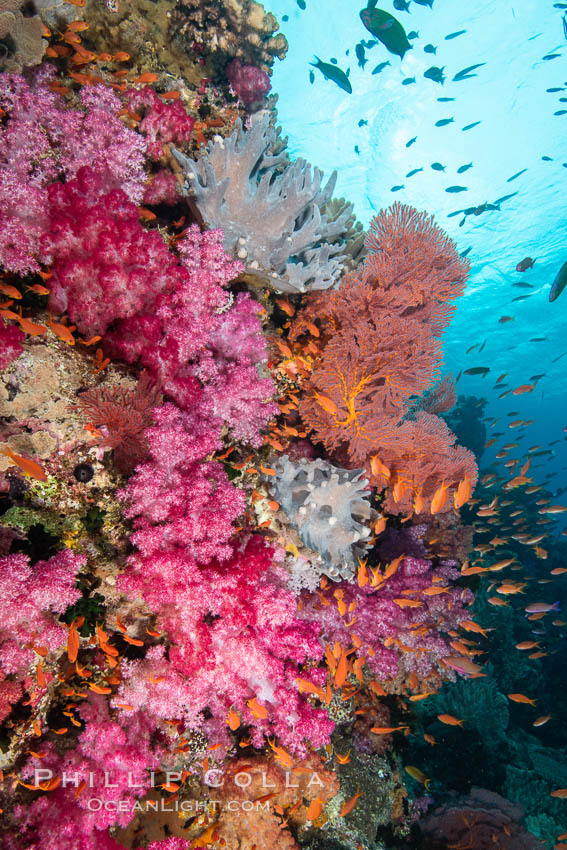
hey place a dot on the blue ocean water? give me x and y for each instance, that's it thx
(523, 48)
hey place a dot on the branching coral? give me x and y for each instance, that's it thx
(269, 209)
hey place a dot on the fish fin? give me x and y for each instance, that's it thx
(556, 606)
(372, 4)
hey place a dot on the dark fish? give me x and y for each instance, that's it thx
(523, 285)
(464, 168)
(396, 188)
(413, 34)
(330, 72)
(559, 358)
(482, 346)
(334, 61)
(360, 55)
(538, 377)
(503, 319)
(547, 159)
(408, 81)
(362, 122)
(285, 18)
(411, 141)
(443, 122)
(424, 3)
(436, 74)
(301, 4)
(525, 264)
(465, 74)
(311, 77)
(561, 112)
(517, 174)
(380, 67)
(521, 298)
(357, 149)
(429, 48)
(559, 283)
(477, 370)
(455, 189)
(538, 339)
(556, 89)
(505, 198)
(444, 99)
(401, 5)
(551, 56)
(414, 171)
(386, 29)
(454, 35)
(436, 166)
(564, 20)
(470, 126)
(466, 252)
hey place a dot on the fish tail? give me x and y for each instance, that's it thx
(556, 606)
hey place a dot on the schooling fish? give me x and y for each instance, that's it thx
(429, 48)
(386, 28)
(559, 283)
(455, 189)
(360, 55)
(454, 35)
(470, 126)
(435, 73)
(408, 81)
(380, 67)
(411, 142)
(413, 34)
(445, 99)
(466, 74)
(517, 174)
(464, 168)
(424, 3)
(401, 5)
(362, 123)
(443, 122)
(331, 72)
(414, 171)
(397, 188)
(436, 166)
(525, 264)
(477, 370)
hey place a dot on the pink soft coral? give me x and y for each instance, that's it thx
(162, 123)
(11, 339)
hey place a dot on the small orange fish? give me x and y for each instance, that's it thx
(343, 759)
(63, 332)
(439, 499)
(28, 467)
(449, 720)
(121, 57)
(10, 291)
(561, 793)
(315, 808)
(146, 214)
(38, 289)
(173, 94)
(99, 689)
(233, 720)
(30, 327)
(286, 305)
(430, 739)
(257, 710)
(350, 804)
(522, 699)
(540, 721)
(326, 403)
(78, 3)
(73, 643)
(148, 77)
(525, 388)
(387, 730)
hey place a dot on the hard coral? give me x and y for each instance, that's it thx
(20, 36)
(228, 29)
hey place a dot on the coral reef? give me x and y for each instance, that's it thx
(268, 209)
(237, 29)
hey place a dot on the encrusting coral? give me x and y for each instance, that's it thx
(21, 37)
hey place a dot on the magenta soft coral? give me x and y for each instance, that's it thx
(234, 634)
(162, 123)
(394, 639)
(42, 141)
(31, 596)
(11, 339)
(105, 265)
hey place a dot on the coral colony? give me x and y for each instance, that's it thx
(230, 508)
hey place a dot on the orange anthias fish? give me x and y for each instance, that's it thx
(350, 804)
(449, 720)
(522, 699)
(315, 809)
(28, 467)
(439, 499)
(464, 492)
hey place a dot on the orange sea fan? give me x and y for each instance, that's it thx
(420, 460)
(368, 373)
(414, 266)
(441, 398)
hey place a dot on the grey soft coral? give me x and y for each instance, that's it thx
(270, 209)
(330, 508)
